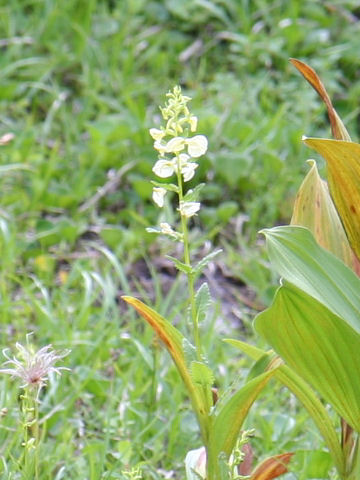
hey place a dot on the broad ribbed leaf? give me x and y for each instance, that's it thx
(228, 418)
(173, 341)
(305, 394)
(299, 259)
(315, 210)
(343, 164)
(318, 345)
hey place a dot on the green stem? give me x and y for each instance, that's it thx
(30, 412)
(36, 436)
(24, 406)
(187, 261)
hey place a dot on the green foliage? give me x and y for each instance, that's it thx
(80, 85)
(313, 321)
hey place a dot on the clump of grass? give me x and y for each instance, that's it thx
(79, 108)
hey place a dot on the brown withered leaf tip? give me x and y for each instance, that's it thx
(337, 127)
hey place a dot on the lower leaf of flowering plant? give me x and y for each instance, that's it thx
(228, 417)
(174, 341)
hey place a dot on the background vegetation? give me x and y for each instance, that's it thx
(81, 82)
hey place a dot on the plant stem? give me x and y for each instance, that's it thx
(30, 413)
(36, 435)
(187, 261)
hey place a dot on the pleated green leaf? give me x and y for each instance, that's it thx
(306, 395)
(228, 418)
(297, 257)
(315, 210)
(318, 345)
(343, 166)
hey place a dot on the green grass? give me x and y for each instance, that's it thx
(81, 82)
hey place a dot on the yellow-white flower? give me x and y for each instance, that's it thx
(188, 170)
(164, 168)
(160, 147)
(158, 196)
(197, 145)
(157, 134)
(175, 145)
(167, 230)
(189, 209)
(193, 121)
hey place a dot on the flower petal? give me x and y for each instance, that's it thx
(166, 229)
(156, 133)
(158, 196)
(193, 121)
(164, 168)
(160, 147)
(197, 145)
(189, 209)
(188, 170)
(175, 145)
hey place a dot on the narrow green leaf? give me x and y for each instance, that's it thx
(300, 260)
(182, 267)
(313, 464)
(318, 345)
(202, 301)
(14, 166)
(173, 341)
(189, 350)
(307, 397)
(170, 187)
(263, 364)
(207, 259)
(202, 373)
(228, 418)
(203, 379)
(193, 194)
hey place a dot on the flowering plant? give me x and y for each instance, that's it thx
(33, 369)
(220, 415)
